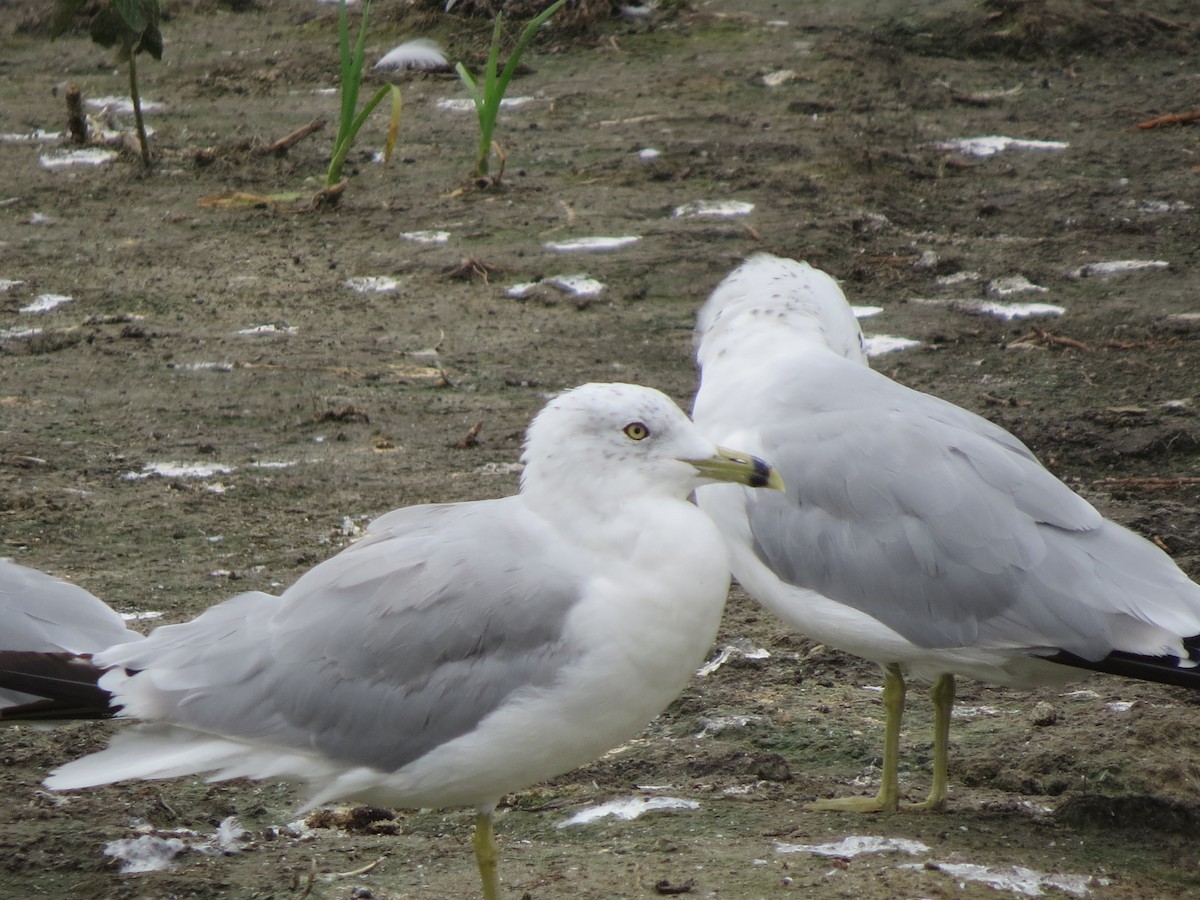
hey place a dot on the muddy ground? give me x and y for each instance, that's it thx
(355, 403)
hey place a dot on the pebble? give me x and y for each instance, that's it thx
(1044, 714)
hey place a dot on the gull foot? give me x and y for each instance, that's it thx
(856, 804)
(931, 805)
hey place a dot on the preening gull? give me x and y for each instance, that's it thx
(458, 652)
(42, 613)
(915, 533)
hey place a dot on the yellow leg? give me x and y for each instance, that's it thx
(942, 695)
(487, 854)
(888, 798)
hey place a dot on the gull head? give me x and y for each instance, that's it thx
(773, 303)
(622, 440)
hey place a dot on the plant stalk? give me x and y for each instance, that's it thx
(136, 97)
(487, 99)
(351, 70)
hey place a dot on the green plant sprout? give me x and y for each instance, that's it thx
(349, 123)
(129, 25)
(487, 98)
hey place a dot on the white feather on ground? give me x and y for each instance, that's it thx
(420, 53)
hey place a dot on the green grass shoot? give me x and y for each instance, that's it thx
(350, 121)
(487, 96)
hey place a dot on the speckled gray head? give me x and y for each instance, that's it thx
(770, 288)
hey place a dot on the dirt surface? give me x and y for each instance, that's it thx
(358, 403)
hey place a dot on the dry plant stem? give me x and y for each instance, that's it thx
(1046, 337)
(499, 151)
(471, 438)
(309, 881)
(290, 139)
(1174, 119)
(76, 121)
(362, 870)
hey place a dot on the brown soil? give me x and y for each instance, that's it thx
(371, 396)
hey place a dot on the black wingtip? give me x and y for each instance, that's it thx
(1158, 669)
(66, 685)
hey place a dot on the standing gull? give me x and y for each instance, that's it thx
(461, 650)
(915, 533)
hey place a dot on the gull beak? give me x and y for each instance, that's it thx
(738, 468)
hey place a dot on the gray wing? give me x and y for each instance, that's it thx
(402, 642)
(943, 526)
(45, 614)
(41, 613)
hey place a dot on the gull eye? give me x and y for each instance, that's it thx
(636, 431)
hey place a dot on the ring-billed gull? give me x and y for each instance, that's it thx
(43, 613)
(460, 651)
(915, 533)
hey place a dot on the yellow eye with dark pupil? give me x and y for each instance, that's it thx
(636, 431)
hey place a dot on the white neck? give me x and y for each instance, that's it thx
(762, 340)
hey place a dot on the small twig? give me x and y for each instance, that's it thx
(471, 438)
(1128, 345)
(634, 120)
(982, 98)
(1067, 342)
(24, 462)
(1045, 337)
(162, 801)
(1173, 119)
(1165, 24)
(472, 268)
(289, 139)
(333, 876)
(308, 882)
